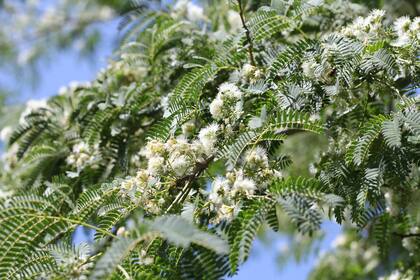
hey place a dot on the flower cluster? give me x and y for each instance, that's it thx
(366, 28)
(82, 155)
(407, 31)
(171, 160)
(186, 8)
(5, 133)
(227, 192)
(228, 103)
(31, 106)
(251, 73)
(410, 243)
(142, 189)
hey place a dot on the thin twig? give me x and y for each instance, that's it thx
(185, 182)
(406, 235)
(247, 34)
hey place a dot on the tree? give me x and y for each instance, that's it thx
(175, 158)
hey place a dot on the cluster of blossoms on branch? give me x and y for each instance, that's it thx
(229, 191)
(167, 162)
(228, 103)
(83, 155)
(406, 30)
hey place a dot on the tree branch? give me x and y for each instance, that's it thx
(406, 235)
(247, 34)
(185, 182)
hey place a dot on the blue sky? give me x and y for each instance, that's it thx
(68, 66)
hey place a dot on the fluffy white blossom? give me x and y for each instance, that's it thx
(32, 105)
(339, 241)
(153, 148)
(188, 128)
(230, 91)
(216, 108)
(194, 12)
(227, 212)
(248, 69)
(82, 155)
(180, 164)
(257, 157)
(188, 9)
(402, 25)
(155, 165)
(409, 243)
(234, 20)
(220, 189)
(407, 31)
(228, 102)
(208, 137)
(243, 185)
(251, 73)
(5, 133)
(366, 28)
(308, 68)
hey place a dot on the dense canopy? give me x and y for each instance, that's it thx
(212, 122)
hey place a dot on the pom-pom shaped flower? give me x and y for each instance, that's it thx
(228, 103)
(208, 138)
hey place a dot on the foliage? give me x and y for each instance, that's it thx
(175, 155)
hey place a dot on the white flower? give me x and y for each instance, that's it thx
(197, 148)
(257, 156)
(153, 148)
(128, 185)
(63, 90)
(402, 25)
(415, 26)
(226, 213)
(185, 8)
(376, 15)
(395, 275)
(238, 109)
(5, 133)
(339, 241)
(32, 105)
(402, 40)
(308, 68)
(230, 90)
(81, 147)
(188, 128)
(82, 155)
(243, 185)
(194, 12)
(251, 73)
(409, 244)
(415, 230)
(181, 5)
(227, 103)
(220, 188)
(180, 164)
(234, 20)
(208, 137)
(155, 165)
(216, 108)
(248, 70)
